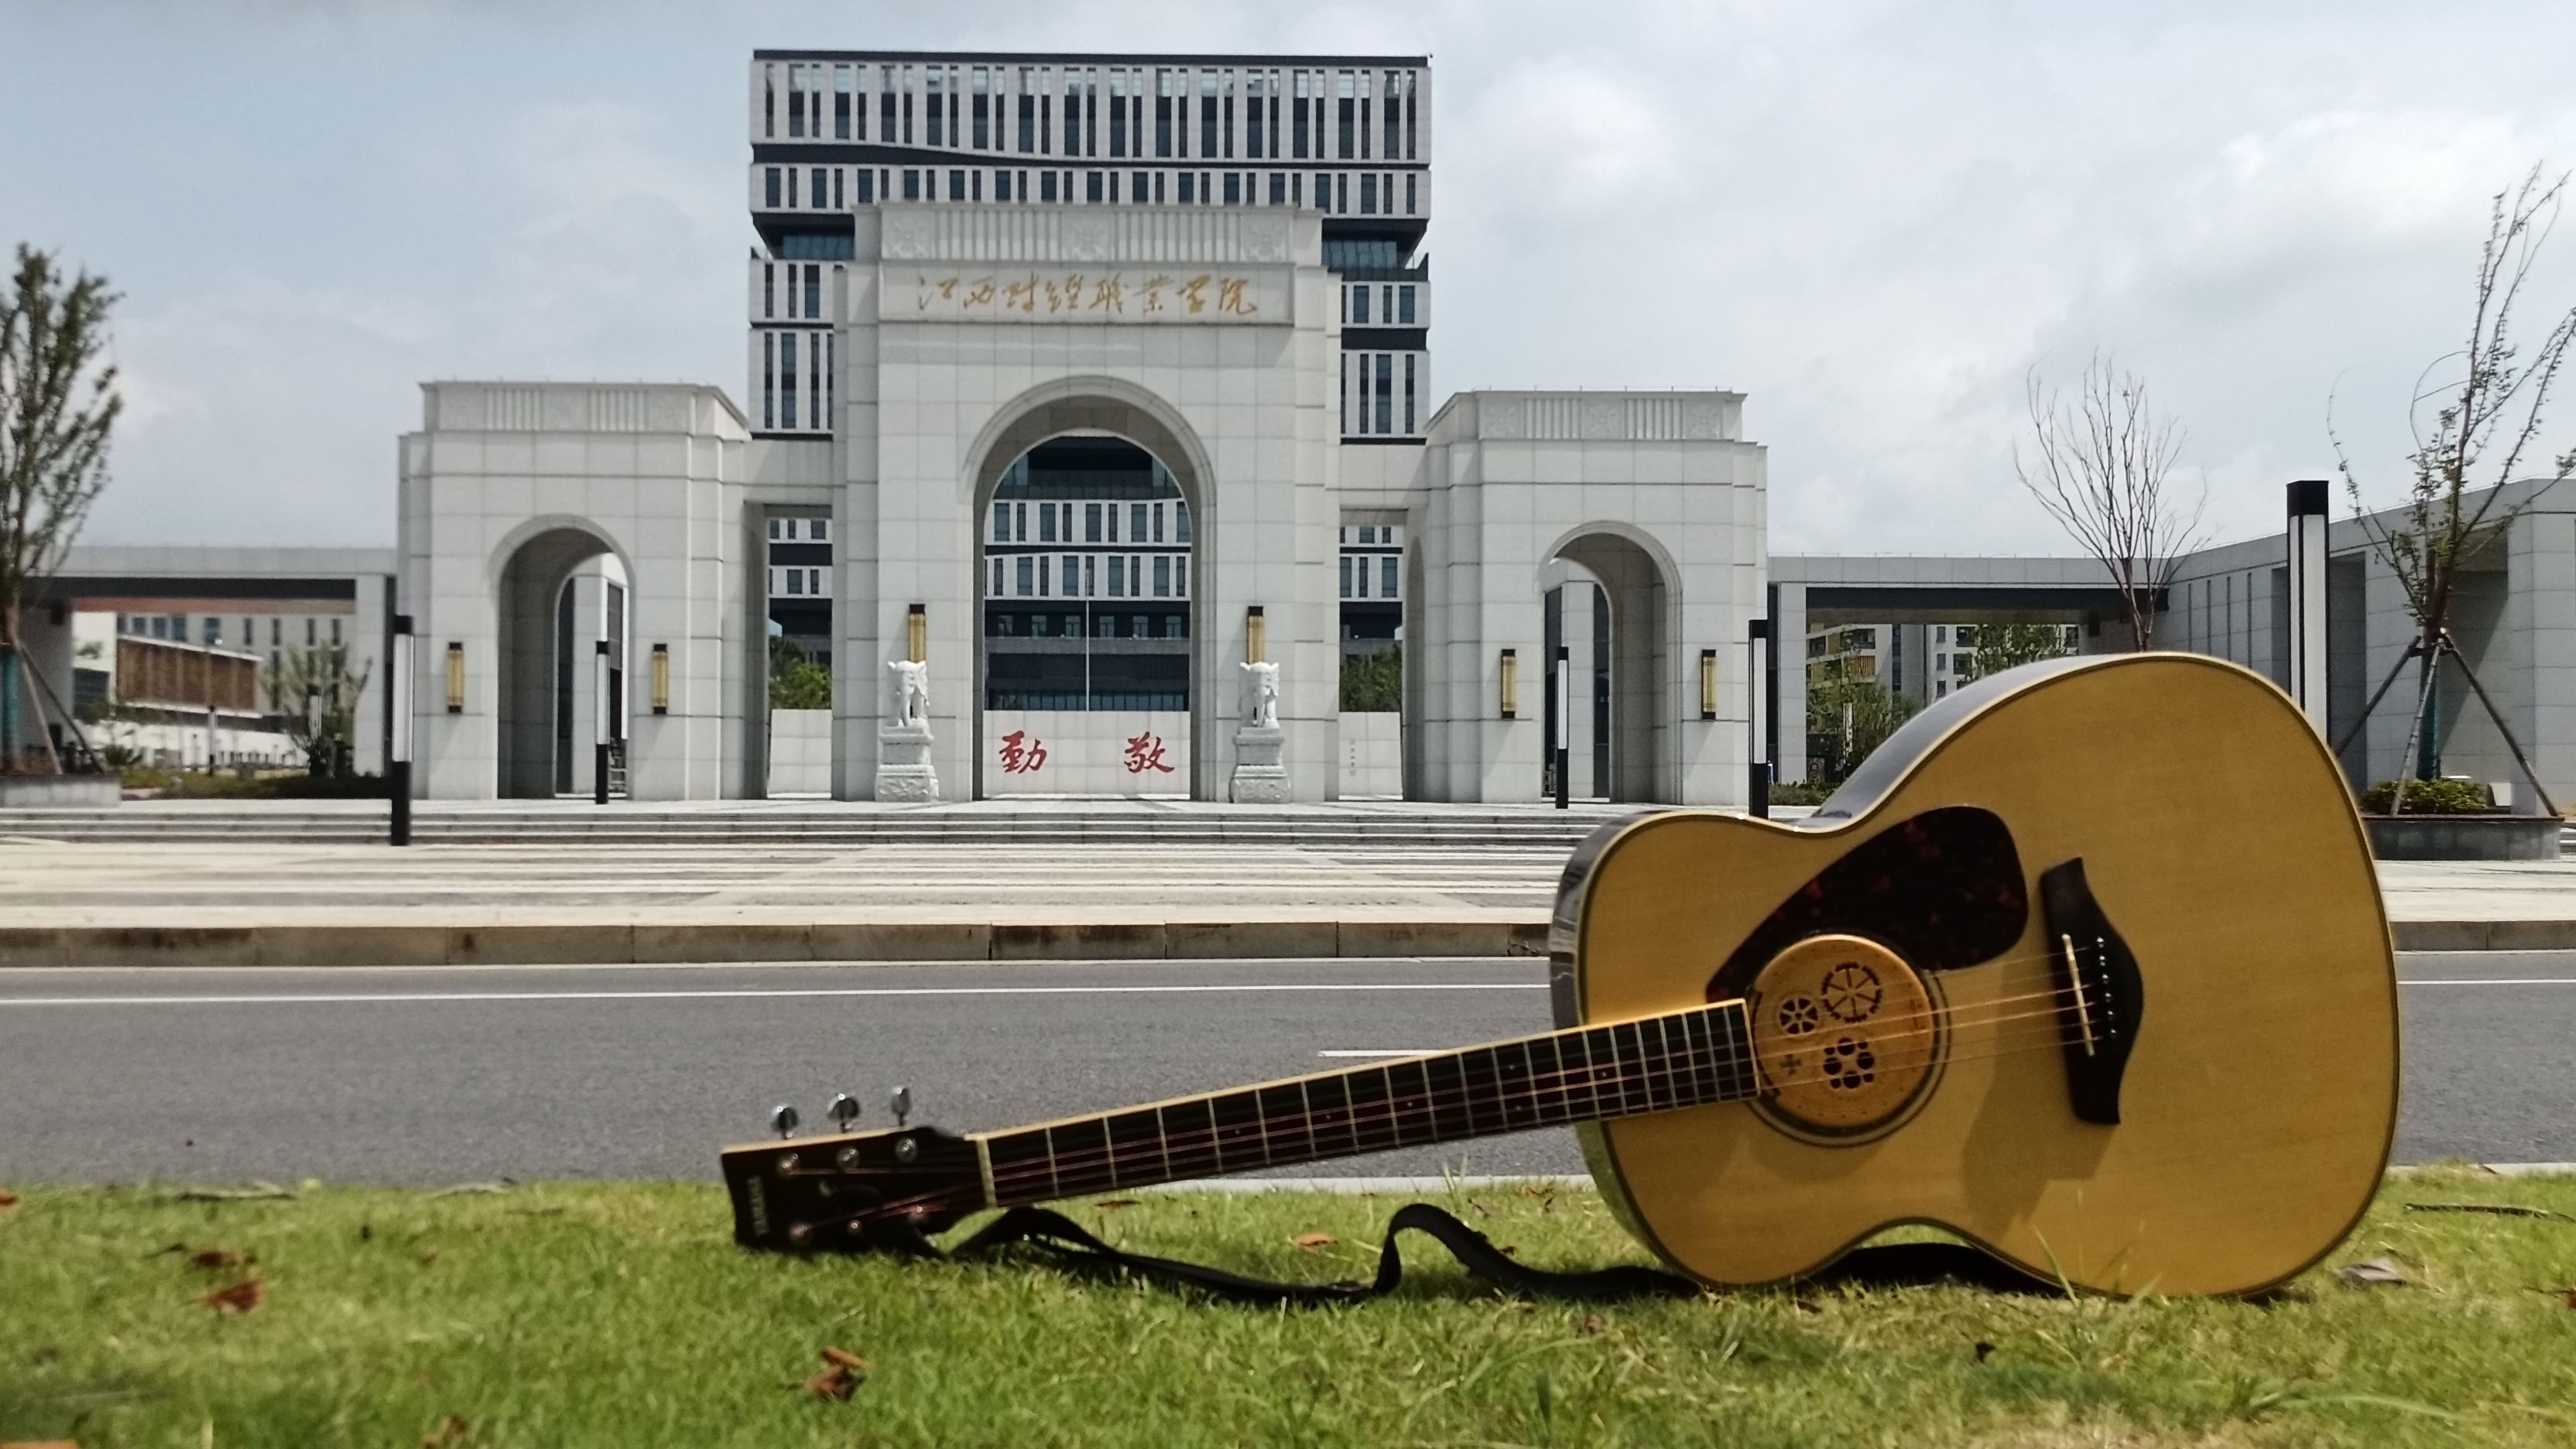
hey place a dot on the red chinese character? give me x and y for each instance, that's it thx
(1145, 752)
(1022, 759)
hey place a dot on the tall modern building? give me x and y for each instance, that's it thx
(1100, 386)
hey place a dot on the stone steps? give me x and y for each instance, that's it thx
(618, 825)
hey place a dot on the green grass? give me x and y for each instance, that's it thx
(620, 1314)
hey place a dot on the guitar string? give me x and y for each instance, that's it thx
(1349, 1118)
(1092, 1159)
(1466, 1097)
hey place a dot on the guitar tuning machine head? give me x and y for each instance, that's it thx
(844, 1111)
(901, 1103)
(783, 1120)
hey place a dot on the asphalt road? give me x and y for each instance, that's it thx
(458, 1075)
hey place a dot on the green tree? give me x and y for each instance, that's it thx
(2005, 646)
(2487, 420)
(1373, 681)
(796, 681)
(1846, 720)
(58, 404)
(314, 697)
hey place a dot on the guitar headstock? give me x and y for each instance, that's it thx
(849, 1192)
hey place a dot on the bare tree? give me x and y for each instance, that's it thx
(2485, 422)
(2104, 470)
(314, 696)
(57, 405)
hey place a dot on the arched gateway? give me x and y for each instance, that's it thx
(965, 359)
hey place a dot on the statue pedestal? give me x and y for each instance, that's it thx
(903, 764)
(1259, 778)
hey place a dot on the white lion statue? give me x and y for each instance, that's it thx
(1261, 689)
(912, 691)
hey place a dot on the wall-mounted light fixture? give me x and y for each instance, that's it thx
(1256, 635)
(456, 676)
(1708, 684)
(1511, 689)
(661, 679)
(916, 633)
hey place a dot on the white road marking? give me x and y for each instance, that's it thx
(362, 998)
(2495, 981)
(1406, 1053)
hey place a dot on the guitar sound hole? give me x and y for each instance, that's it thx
(1848, 1038)
(1798, 1016)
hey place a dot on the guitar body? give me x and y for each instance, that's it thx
(1899, 953)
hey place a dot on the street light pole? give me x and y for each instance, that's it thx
(398, 749)
(1564, 729)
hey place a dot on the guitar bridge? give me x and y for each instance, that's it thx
(2103, 998)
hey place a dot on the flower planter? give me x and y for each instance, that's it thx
(57, 792)
(2464, 837)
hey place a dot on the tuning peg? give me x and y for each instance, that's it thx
(844, 1110)
(901, 1103)
(783, 1121)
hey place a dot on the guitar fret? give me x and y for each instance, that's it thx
(1282, 1114)
(1409, 1090)
(1370, 1109)
(1703, 1076)
(1132, 1156)
(1331, 1097)
(1444, 1077)
(1555, 1107)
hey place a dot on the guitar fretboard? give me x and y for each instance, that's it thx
(1587, 1074)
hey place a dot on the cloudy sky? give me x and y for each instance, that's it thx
(1873, 218)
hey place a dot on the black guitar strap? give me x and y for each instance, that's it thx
(1069, 1246)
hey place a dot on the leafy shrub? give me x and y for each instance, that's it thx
(1786, 794)
(1374, 682)
(2429, 797)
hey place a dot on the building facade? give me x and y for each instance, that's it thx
(1098, 375)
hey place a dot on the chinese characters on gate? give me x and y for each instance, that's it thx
(1023, 753)
(1089, 296)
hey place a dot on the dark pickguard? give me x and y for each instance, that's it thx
(1942, 889)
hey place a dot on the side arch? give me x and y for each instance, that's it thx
(527, 572)
(1637, 575)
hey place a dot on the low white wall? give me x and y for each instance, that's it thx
(1077, 752)
(1372, 754)
(800, 752)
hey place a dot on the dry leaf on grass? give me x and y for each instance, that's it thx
(1591, 1324)
(841, 1378)
(8, 1199)
(1112, 1204)
(40, 1444)
(2376, 1273)
(450, 1431)
(251, 1192)
(1311, 1241)
(242, 1297)
(1984, 1350)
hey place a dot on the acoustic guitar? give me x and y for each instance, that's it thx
(2087, 966)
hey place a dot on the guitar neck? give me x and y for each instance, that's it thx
(1586, 1074)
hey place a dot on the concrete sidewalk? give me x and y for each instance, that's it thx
(245, 902)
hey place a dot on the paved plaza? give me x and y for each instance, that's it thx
(194, 885)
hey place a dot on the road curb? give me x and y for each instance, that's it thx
(611, 944)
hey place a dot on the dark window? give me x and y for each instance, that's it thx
(787, 380)
(1028, 124)
(1233, 189)
(841, 97)
(1046, 186)
(768, 290)
(1368, 194)
(795, 100)
(1188, 180)
(885, 108)
(1404, 306)
(821, 188)
(1207, 113)
(1278, 188)
(813, 290)
(983, 102)
(768, 397)
(1409, 418)
(1412, 207)
(1394, 108)
(1252, 108)
(1297, 126)
(911, 183)
(867, 186)
(1385, 391)
(1349, 118)
(937, 108)
(771, 189)
(1091, 186)
(956, 185)
(1360, 305)
(769, 101)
